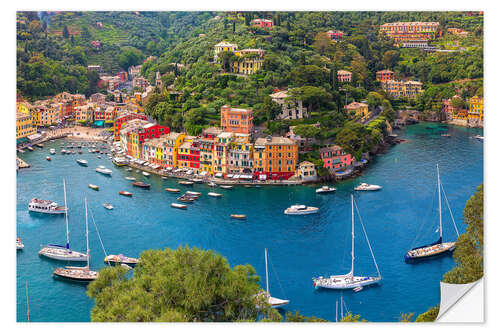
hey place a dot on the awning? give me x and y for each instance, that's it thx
(230, 176)
(236, 176)
(34, 136)
(203, 173)
(99, 123)
(169, 168)
(218, 174)
(246, 176)
(262, 177)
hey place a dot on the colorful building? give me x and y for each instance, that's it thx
(307, 171)
(263, 23)
(290, 108)
(206, 143)
(240, 155)
(123, 118)
(172, 142)
(360, 109)
(475, 108)
(335, 35)
(224, 47)
(221, 151)
(246, 66)
(335, 158)
(275, 158)
(84, 113)
(24, 126)
(23, 107)
(402, 89)
(344, 76)
(385, 75)
(45, 115)
(236, 120)
(410, 31)
(188, 155)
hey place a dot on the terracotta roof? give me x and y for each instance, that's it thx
(275, 140)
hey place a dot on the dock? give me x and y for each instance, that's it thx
(21, 164)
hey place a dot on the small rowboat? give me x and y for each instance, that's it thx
(227, 187)
(191, 193)
(185, 182)
(179, 206)
(239, 216)
(185, 198)
(125, 193)
(48, 158)
(213, 194)
(176, 190)
(30, 148)
(94, 187)
(141, 184)
(446, 135)
(129, 178)
(108, 206)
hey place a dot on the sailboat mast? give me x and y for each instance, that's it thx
(336, 310)
(267, 277)
(341, 307)
(439, 199)
(66, 215)
(352, 232)
(87, 234)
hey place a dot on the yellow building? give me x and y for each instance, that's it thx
(246, 66)
(475, 108)
(224, 47)
(84, 113)
(45, 115)
(398, 89)
(172, 141)
(221, 150)
(275, 157)
(24, 125)
(360, 109)
(23, 107)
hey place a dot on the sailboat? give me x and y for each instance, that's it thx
(342, 305)
(61, 252)
(349, 280)
(83, 274)
(438, 247)
(273, 301)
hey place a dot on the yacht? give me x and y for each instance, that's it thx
(104, 171)
(52, 151)
(119, 161)
(300, 210)
(108, 206)
(213, 194)
(146, 174)
(325, 189)
(19, 244)
(45, 206)
(367, 187)
(120, 259)
(82, 162)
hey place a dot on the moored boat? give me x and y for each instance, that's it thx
(212, 184)
(82, 162)
(186, 198)
(146, 174)
(173, 190)
(479, 137)
(45, 206)
(52, 151)
(117, 259)
(325, 189)
(104, 171)
(19, 244)
(130, 178)
(48, 158)
(239, 216)
(30, 148)
(179, 206)
(94, 187)
(107, 205)
(141, 184)
(192, 193)
(226, 187)
(213, 194)
(300, 210)
(125, 193)
(119, 161)
(185, 182)
(367, 187)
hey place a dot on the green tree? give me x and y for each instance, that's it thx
(271, 108)
(350, 318)
(296, 317)
(187, 284)
(65, 31)
(322, 43)
(428, 316)
(130, 56)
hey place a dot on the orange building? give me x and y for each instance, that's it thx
(236, 120)
(385, 75)
(275, 158)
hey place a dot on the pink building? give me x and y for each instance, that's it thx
(263, 23)
(334, 158)
(334, 34)
(344, 76)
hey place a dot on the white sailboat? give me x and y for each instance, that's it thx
(273, 301)
(437, 248)
(349, 280)
(61, 252)
(82, 274)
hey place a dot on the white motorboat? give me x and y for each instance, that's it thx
(212, 184)
(179, 206)
(196, 180)
(185, 182)
(120, 259)
(349, 280)
(146, 174)
(104, 171)
(63, 151)
(129, 169)
(19, 244)
(82, 274)
(52, 151)
(45, 206)
(63, 252)
(213, 194)
(82, 162)
(479, 138)
(325, 189)
(226, 187)
(130, 178)
(367, 187)
(193, 193)
(107, 205)
(300, 210)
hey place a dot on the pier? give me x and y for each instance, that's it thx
(21, 164)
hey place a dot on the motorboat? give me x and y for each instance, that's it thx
(186, 182)
(212, 184)
(104, 171)
(45, 206)
(48, 158)
(226, 187)
(141, 184)
(118, 259)
(94, 187)
(193, 193)
(107, 205)
(52, 151)
(213, 194)
(19, 244)
(446, 135)
(129, 169)
(479, 137)
(300, 210)
(196, 180)
(130, 178)
(325, 189)
(82, 162)
(367, 187)
(39, 145)
(173, 190)
(239, 216)
(179, 206)
(146, 174)
(125, 193)
(185, 198)
(119, 161)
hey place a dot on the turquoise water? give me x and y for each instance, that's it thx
(299, 247)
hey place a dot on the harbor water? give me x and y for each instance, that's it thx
(299, 247)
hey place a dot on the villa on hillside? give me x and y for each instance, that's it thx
(290, 109)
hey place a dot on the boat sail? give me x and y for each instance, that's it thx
(349, 280)
(273, 301)
(61, 252)
(83, 274)
(438, 247)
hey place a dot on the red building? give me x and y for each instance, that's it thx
(334, 34)
(151, 131)
(334, 158)
(122, 75)
(263, 23)
(385, 75)
(120, 120)
(188, 155)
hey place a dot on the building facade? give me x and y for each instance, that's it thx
(236, 120)
(402, 89)
(290, 109)
(275, 158)
(411, 31)
(385, 75)
(263, 23)
(360, 109)
(24, 125)
(344, 76)
(335, 158)
(123, 118)
(223, 47)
